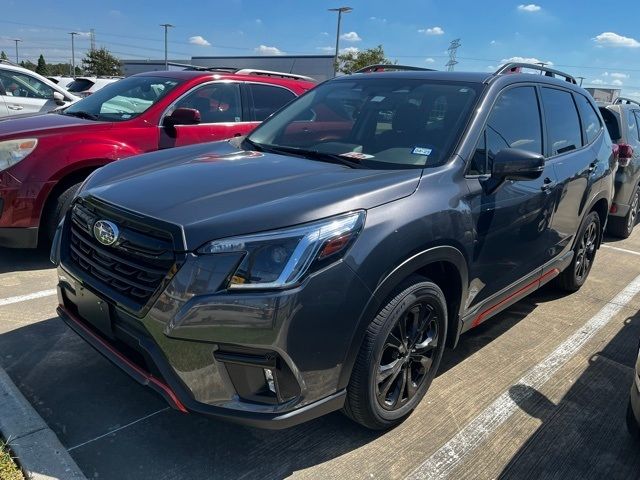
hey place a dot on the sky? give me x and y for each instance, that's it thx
(590, 40)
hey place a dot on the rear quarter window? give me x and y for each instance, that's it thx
(591, 124)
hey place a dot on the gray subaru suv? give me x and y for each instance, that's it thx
(326, 260)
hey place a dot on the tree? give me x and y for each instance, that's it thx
(42, 68)
(28, 64)
(3, 56)
(352, 61)
(101, 62)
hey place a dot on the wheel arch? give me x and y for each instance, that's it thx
(444, 265)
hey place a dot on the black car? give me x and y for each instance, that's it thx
(622, 119)
(324, 261)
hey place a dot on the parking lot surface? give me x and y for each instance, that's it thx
(540, 391)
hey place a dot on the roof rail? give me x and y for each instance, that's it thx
(516, 67)
(212, 69)
(626, 100)
(384, 67)
(269, 73)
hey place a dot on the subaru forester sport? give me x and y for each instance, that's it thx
(325, 261)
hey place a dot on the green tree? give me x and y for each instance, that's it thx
(350, 62)
(42, 67)
(28, 64)
(101, 62)
(3, 56)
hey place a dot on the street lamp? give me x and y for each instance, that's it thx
(340, 11)
(166, 26)
(17, 40)
(73, 54)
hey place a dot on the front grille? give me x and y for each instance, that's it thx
(131, 270)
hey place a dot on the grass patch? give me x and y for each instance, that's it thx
(8, 468)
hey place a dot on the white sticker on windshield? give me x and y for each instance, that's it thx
(378, 98)
(421, 151)
(356, 155)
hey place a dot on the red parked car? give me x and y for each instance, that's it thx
(45, 158)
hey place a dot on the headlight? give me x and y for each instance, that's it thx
(280, 258)
(12, 151)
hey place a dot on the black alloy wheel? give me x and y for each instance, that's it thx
(586, 252)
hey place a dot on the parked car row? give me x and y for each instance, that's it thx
(323, 259)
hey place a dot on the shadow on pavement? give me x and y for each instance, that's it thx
(22, 260)
(590, 416)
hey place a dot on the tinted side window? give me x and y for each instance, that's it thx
(637, 112)
(611, 121)
(562, 119)
(632, 134)
(267, 99)
(590, 120)
(514, 122)
(217, 102)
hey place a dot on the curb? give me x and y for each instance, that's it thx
(40, 454)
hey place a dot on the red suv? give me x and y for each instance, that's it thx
(45, 158)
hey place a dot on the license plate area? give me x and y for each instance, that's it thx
(94, 311)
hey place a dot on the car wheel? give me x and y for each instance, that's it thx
(584, 253)
(632, 423)
(399, 356)
(58, 210)
(622, 227)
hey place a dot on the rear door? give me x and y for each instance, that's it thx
(573, 157)
(510, 224)
(25, 94)
(266, 99)
(221, 111)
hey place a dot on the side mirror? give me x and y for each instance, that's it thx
(182, 116)
(514, 164)
(59, 98)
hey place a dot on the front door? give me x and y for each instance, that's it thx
(25, 94)
(510, 225)
(221, 113)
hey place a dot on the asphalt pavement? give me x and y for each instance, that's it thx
(540, 391)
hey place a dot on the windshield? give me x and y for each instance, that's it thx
(124, 99)
(384, 123)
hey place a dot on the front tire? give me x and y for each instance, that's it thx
(584, 253)
(399, 356)
(57, 211)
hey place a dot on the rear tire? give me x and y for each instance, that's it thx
(622, 227)
(57, 211)
(399, 356)
(584, 253)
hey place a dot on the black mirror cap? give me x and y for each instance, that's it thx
(516, 164)
(183, 116)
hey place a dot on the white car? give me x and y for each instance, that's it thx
(23, 91)
(85, 86)
(63, 82)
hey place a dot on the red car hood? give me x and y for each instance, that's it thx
(39, 125)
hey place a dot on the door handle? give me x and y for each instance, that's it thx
(237, 134)
(548, 185)
(15, 107)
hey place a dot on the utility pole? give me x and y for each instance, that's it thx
(17, 40)
(73, 53)
(340, 11)
(453, 50)
(166, 26)
(92, 35)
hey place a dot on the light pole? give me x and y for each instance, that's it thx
(73, 54)
(166, 26)
(17, 40)
(340, 11)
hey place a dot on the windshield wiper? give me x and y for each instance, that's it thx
(311, 154)
(81, 114)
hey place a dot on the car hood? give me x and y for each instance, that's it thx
(215, 191)
(40, 124)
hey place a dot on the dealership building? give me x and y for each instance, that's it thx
(319, 67)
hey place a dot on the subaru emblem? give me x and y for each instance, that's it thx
(106, 232)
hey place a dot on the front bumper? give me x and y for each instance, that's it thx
(208, 353)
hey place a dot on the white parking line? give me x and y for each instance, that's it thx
(29, 296)
(620, 249)
(445, 460)
(110, 432)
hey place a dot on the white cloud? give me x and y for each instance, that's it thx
(349, 50)
(525, 60)
(611, 39)
(350, 37)
(530, 8)
(84, 34)
(429, 60)
(617, 82)
(259, 21)
(266, 50)
(635, 93)
(597, 81)
(378, 19)
(432, 31)
(324, 34)
(326, 49)
(492, 42)
(619, 75)
(199, 40)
